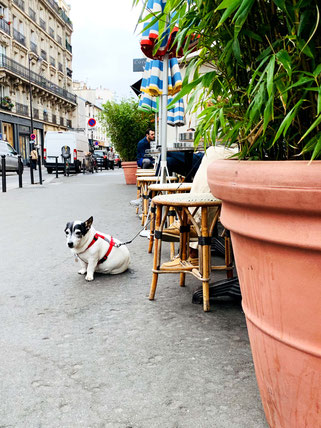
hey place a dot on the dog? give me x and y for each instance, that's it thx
(96, 252)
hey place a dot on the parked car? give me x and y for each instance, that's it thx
(11, 157)
(61, 142)
(101, 158)
(117, 161)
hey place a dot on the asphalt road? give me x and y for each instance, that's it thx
(100, 354)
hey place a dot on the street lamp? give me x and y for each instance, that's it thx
(39, 59)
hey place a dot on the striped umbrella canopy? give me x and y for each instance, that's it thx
(153, 83)
(151, 32)
(175, 116)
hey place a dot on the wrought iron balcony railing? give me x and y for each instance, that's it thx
(18, 69)
(60, 11)
(4, 26)
(19, 37)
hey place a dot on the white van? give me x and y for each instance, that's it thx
(54, 145)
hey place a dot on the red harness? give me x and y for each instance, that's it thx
(111, 244)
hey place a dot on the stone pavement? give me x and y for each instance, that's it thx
(100, 354)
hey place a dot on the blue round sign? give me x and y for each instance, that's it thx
(92, 122)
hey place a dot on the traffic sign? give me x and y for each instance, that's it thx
(32, 136)
(92, 122)
(96, 143)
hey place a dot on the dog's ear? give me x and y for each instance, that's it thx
(88, 223)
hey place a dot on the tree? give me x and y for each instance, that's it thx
(125, 125)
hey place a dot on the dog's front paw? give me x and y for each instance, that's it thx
(82, 271)
(89, 277)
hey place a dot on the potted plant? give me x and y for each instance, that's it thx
(126, 125)
(7, 103)
(261, 90)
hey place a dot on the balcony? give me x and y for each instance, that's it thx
(22, 109)
(60, 12)
(19, 37)
(34, 47)
(32, 14)
(4, 26)
(59, 40)
(51, 32)
(69, 72)
(42, 24)
(68, 47)
(43, 54)
(36, 113)
(62, 122)
(20, 3)
(54, 118)
(52, 61)
(60, 67)
(17, 69)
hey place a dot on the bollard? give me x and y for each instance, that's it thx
(56, 166)
(31, 171)
(3, 169)
(20, 171)
(40, 171)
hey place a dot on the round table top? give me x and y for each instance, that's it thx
(171, 187)
(154, 179)
(188, 200)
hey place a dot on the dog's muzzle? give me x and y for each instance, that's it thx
(70, 244)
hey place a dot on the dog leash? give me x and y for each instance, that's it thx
(129, 242)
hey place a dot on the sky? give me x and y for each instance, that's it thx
(104, 44)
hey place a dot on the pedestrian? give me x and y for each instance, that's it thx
(111, 158)
(143, 160)
(34, 158)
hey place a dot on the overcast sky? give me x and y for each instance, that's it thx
(104, 44)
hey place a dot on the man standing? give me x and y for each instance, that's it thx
(111, 158)
(144, 144)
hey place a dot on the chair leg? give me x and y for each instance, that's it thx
(205, 262)
(172, 244)
(228, 256)
(152, 226)
(183, 250)
(157, 251)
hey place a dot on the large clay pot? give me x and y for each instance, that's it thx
(273, 210)
(130, 169)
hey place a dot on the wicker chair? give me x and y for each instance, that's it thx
(183, 204)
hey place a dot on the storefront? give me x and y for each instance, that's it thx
(16, 130)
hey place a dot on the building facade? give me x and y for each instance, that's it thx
(90, 103)
(35, 70)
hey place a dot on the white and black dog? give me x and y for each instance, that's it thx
(96, 252)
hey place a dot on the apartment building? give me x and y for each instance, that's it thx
(35, 70)
(90, 103)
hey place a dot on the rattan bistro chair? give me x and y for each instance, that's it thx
(168, 188)
(183, 203)
(144, 193)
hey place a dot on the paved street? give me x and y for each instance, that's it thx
(100, 354)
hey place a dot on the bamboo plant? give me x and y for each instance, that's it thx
(262, 87)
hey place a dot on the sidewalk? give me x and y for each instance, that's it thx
(100, 354)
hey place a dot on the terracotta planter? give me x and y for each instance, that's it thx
(130, 169)
(273, 210)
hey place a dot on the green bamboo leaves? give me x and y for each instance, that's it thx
(257, 80)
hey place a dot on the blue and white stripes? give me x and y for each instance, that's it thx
(152, 82)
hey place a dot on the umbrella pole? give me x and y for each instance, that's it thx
(156, 130)
(163, 135)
